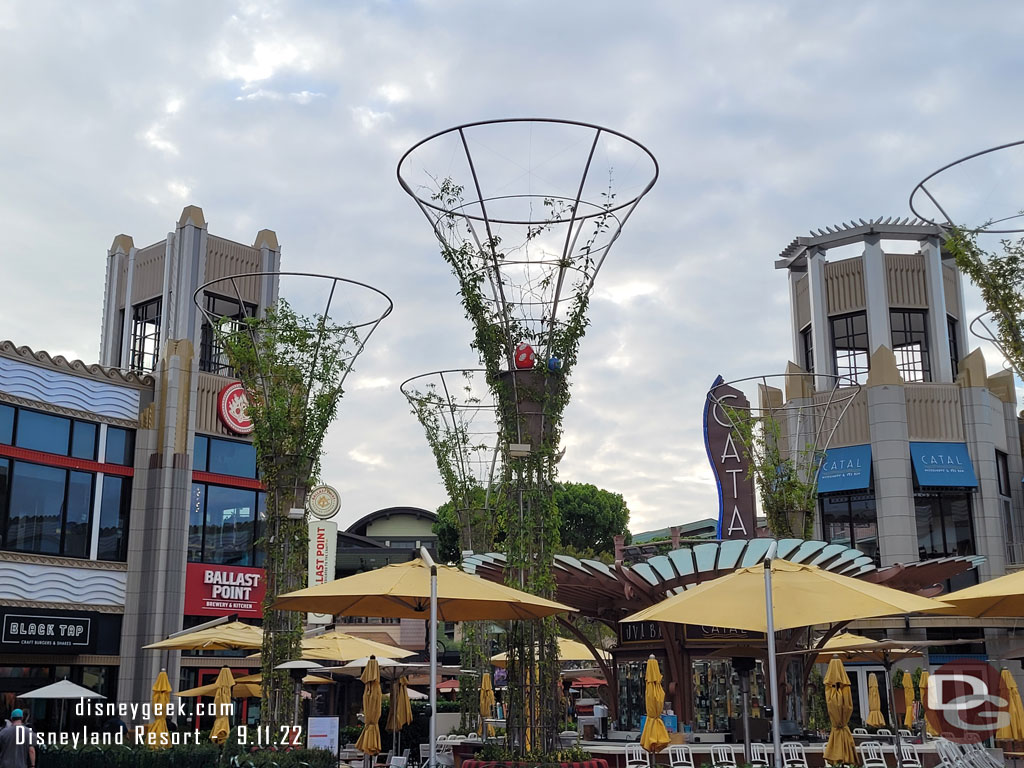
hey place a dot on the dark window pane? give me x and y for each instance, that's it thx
(954, 346)
(145, 335)
(835, 520)
(199, 453)
(115, 500)
(231, 458)
(120, 446)
(910, 344)
(260, 558)
(196, 515)
(79, 506)
(230, 525)
(83, 440)
(807, 338)
(850, 346)
(43, 432)
(5, 484)
(230, 315)
(37, 502)
(962, 541)
(6, 424)
(1002, 473)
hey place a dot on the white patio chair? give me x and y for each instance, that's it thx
(636, 756)
(794, 755)
(950, 755)
(723, 756)
(680, 756)
(976, 754)
(884, 732)
(398, 762)
(760, 756)
(872, 755)
(904, 733)
(911, 757)
(860, 732)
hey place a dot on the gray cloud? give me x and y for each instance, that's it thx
(767, 119)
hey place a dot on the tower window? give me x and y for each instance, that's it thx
(212, 357)
(807, 342)
(145, 335)
(850, 342)
(910, 343)
(954, 346)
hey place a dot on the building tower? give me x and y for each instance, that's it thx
(927, 462)
(195, 493)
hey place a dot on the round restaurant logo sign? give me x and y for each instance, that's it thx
(323, 501)
(233, 409)
(965, 702)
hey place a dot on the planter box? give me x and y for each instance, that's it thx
(528, 386)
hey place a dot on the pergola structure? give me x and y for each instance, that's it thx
(609, 593)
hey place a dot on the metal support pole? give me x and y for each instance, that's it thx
(887, 662)
(745, 696)
(432, 759)
(773, 671)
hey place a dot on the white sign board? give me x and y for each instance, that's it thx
(323, 552)
(322, 733)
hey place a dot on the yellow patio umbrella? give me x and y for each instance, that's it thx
(998, 597)
(875, 718)
(922, 688)
(839, 701)
(908, 699)
(802, 595)
(654, 736)
(400, 711)
(1014, 729)
(341, 646)
(486, 704)
(157, 735)
(242, 689)
(568, 650)
(369, 740)
(402, 591)
(222, 706)
(232, 636)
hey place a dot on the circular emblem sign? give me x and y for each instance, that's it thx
(233, 409)
(323, 501)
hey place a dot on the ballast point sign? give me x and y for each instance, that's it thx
(217, 590)
(323, 548)
(323, 502)
(233, 409)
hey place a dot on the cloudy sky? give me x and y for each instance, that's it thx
(767, 119)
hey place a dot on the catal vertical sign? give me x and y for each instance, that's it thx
(737, 510)
(323, 550)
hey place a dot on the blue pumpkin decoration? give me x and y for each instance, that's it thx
(554, 365)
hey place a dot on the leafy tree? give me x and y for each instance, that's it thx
(591, 518)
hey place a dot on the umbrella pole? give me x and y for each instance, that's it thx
(887, 662)
(773, 672)
(433, 657)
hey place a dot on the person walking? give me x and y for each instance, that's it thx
(16, 750)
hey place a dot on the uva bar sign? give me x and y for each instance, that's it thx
(219, 590)
(736, 505)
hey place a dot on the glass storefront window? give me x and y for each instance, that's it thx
(199, 452)
(223, 525)
(36, 507)
(851, 520)
(228, 457)
(712, 695)
(6, 424)
(115, 500)
(79, 508)
(120, 446)
(196, 515)
(43, 432)
(83, 440)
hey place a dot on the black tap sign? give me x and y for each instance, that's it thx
(737, 508)
(33, 632)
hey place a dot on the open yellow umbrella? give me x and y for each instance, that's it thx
(1014, 729)
(341, 646)
(232, 636)
(802, 595)
(402, 590)
(839, 701)
(242, 689)
(486, 704)
(875, 718)
(568, 650)
(922, 687)
(222, 706)
(908, 699)
(369, 740)
(157, 735)
(997, 597)
(654, 736)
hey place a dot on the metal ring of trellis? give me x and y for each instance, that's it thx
(816, 417)
(980, 329)
(988, 227)
(234, 287)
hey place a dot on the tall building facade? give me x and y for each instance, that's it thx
(926, 462)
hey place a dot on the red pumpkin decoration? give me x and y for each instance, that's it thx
(525, 357)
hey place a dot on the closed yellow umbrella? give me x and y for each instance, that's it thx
(654, 737)
(400, 712)
(908, 699)
(369, 739)
(875, 718)
(922, 687)
(222, 706)
(839, 701)
(486, 703)
(157, 735)
(1014, 729)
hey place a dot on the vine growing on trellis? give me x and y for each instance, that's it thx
(292, 368)
(529, 520)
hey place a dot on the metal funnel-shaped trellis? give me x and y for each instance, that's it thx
(292, 361)
(526, 211)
